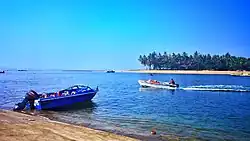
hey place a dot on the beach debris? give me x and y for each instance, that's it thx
(31, 120)
(153, 132)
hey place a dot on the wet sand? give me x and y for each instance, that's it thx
(16, 126)
(22, 127)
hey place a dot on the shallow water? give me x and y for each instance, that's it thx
(122, 106)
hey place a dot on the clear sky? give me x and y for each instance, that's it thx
(105, 34)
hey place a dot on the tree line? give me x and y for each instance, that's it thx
(196, 61)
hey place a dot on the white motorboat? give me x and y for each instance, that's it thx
(157, 84)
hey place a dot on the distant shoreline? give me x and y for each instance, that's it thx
(243, 73)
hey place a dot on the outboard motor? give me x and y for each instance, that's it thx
(30, 97)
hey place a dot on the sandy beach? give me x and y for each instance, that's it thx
(15, 126)
(245, 73)
(22, 127)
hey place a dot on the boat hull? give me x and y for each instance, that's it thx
(65, 98)
(57, 102)
(145, 84)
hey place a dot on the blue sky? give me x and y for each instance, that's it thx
(111, 34)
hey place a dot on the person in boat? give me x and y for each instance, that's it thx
(153, 81)
(172, 82)
(44, 95)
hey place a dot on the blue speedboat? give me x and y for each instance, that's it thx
(55, 100)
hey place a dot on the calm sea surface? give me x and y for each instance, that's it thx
(122, 106)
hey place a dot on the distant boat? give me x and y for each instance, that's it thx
(240, 74)
(110, 71)
(22, 70)
(2, 71)
(67, 97)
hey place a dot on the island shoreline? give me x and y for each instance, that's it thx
(207, 72)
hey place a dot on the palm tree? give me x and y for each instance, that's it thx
(196, 61)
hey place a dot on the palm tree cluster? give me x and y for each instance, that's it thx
(196, 61)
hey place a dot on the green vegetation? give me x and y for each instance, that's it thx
(196, 61)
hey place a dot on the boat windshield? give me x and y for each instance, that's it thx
(82, 87)
(78, 87)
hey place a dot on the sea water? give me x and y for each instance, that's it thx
(220, 112)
